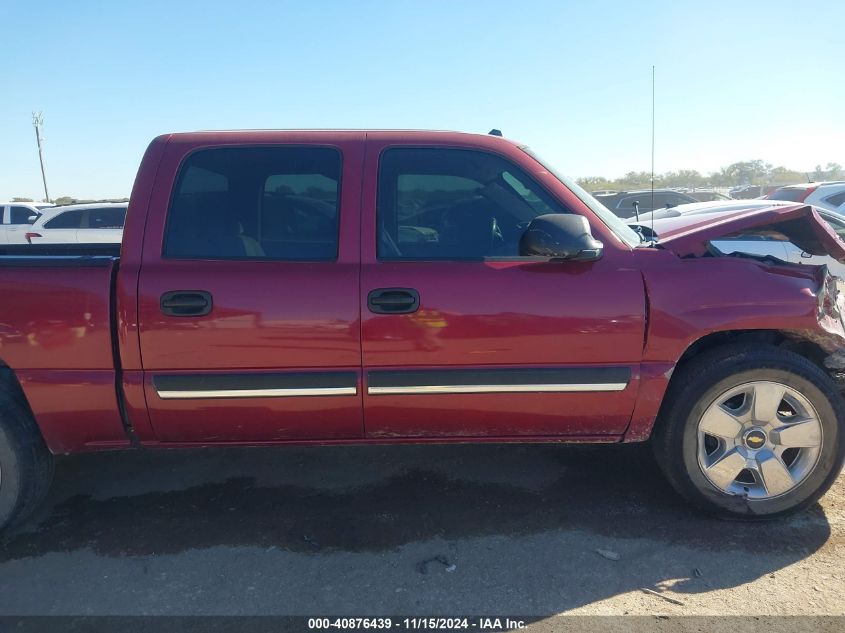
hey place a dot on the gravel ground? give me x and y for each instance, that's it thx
(427, 530)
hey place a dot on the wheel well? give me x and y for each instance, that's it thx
(10, 387)
(791, 341)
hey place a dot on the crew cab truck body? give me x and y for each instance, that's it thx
(281, 287)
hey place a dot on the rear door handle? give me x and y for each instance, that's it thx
(183, 303)
(393, 301)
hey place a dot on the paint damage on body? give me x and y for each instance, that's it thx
(692, 237)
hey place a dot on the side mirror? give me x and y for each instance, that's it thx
(31, 219)
(560, 236)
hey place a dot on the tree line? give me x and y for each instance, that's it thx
(750, 172)
(72, 200)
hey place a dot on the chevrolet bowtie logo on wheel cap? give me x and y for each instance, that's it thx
(755, 439)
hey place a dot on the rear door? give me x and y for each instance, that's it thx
(461, 336)
(248, 293)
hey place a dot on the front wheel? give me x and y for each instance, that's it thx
(751, 432)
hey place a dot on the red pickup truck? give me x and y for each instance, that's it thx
(280, 287)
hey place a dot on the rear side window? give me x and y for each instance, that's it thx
(275, 203)
(436, 204)
(21, 215)
(836, 200)
(108, 218)
(66, 220)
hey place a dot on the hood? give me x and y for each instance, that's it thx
(800, 224)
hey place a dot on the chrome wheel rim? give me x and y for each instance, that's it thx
(759, 440)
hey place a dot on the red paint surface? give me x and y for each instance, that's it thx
(254, 419)
(639, 309)
(55, 318)
(74, 409)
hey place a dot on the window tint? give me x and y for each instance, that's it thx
(21, 215)
(836, 200)
(256, 202)
(454, 204)
(107, 218)
(626, 205)
(66, 220)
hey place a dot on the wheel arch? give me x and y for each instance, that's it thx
(807, 344)
(10, 387)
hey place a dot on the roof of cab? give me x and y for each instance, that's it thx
(401, 136)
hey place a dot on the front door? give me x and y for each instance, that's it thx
(461, 336)
(249, 315)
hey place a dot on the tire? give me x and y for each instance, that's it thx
(720, 389)
(26, 465)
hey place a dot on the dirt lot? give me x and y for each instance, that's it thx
(406, 530)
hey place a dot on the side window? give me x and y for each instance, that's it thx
(21, 215)
(66, 220)
(278, 203)
(837, 225)
(625, 206)
(836, 200)
(661, 200)
(108, 218)
(436, 204)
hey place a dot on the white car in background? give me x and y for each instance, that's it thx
(699, 208)
(828, 195)
(95, 223)
(17, 217)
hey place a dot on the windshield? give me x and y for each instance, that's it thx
(610, 220)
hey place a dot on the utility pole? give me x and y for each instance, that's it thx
(38, 122)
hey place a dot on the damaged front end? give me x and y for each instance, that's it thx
(799, 224)
(690, 236)
(830, 315)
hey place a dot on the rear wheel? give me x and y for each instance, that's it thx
(26, 465)
(752, 432)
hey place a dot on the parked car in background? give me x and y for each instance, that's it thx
(828, 195)
(698, 208)
(707, 195)
(17, 217)
(79, 224)
(747, 192)
(622, 202)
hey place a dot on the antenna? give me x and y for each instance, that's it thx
(38, 122)
(652, 152)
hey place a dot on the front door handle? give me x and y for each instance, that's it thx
(393, 301)
(183, 303)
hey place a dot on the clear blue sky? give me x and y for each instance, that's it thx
(735, 80)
